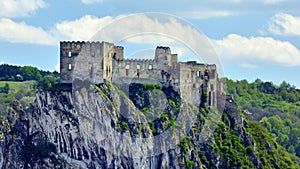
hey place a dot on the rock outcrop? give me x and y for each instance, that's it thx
(100, 127)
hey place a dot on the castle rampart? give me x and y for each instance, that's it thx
(99, 61)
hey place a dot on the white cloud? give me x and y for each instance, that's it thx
(249, 65)
(144, 29)
(157, 29)
(207, 14)
(258, 49)
(78, 30)
(81, 29)
(134, 28)
(91, 1)
(22, 33)
(284, 24)
(178, 50)
(19, 8)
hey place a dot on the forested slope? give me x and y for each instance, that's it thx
(277, 107)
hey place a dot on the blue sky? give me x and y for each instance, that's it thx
(253, 39)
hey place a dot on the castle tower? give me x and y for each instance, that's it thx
(119, 53)
(90, 61)
(163, 57)
(107, 54)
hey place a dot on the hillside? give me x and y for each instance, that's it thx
(24, 92)
(107, 127)
(21, 83)
(275, 107)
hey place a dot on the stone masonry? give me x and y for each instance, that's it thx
(100, 61)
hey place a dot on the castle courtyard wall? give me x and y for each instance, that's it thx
(99, 61)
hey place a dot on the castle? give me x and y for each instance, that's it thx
(100, 61)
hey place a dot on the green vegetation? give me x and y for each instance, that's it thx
(184, 144)
(152, 127)
(23, 73)
(236, 151)
(152, 86)
(124, 125)
(267, 148)
(24, 92)
(21, 83)
(275, 107)
(145, 109)
(230, 146)
(48, 82)
(4, 89)
(189, 164)
(139, 95)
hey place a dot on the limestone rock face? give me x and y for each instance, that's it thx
(103, 128)
(80, 130)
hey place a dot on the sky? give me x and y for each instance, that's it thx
(251, 38)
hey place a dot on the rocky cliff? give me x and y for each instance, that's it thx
(147, 126)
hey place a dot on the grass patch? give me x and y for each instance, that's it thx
(152, 86)
(15, 86)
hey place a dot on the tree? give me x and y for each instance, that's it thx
(48, 81)
(30, 73)
(291, 149)
(268, 88)
(8, 71)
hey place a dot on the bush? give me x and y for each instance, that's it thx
(184, 144)
(152, 86)
(189, 164)
(124, 125)
(145, 109)
(152, 127)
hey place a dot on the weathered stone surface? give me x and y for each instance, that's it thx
(80, 130)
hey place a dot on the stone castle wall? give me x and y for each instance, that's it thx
(99, 61)
(86, 61)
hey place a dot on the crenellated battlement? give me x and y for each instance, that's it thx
(138, 60)
(99, 61)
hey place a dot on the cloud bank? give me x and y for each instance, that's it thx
(19, 8)
(233, 46)
(258, 49)
(284, 24)
(20, 32)
(81, 29)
